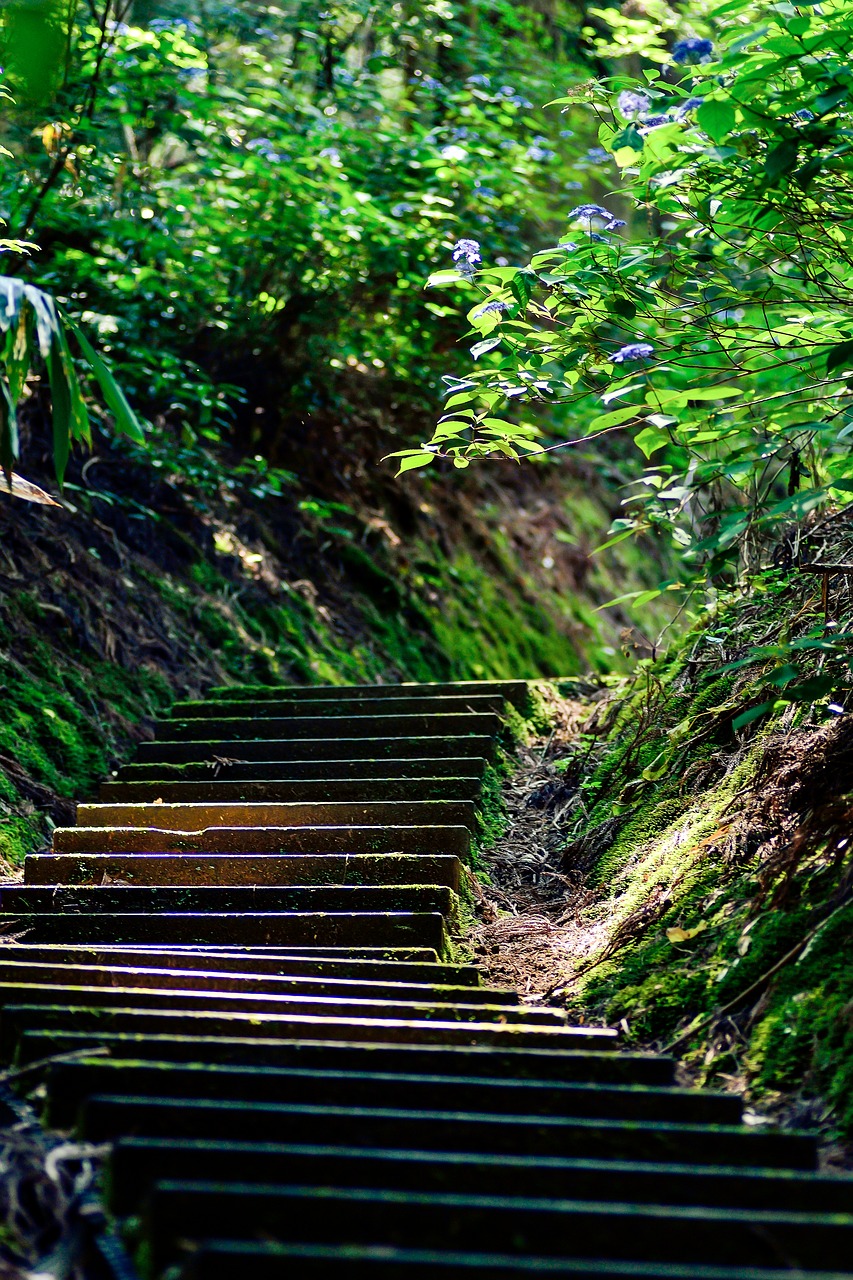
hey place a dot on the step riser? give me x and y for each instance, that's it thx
(450, 724)
(106, 1117)
(137, 1163)
(408, 705)
(420, 969)
(454, 841)
(191, 1211)
(198, 817)
(515, 691)
(280, 930)
(292, 792)
(240, 869)
(263, 899)
(441, 746)
(71, 1083)
(306, 770)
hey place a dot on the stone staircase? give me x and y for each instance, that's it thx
(247, 949)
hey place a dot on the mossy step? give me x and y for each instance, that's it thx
(239, 729)
(69, 1083)
(417, 747)
(306, 770)
(515, 691)
(593, 1061)
(409, 704)
(93, 1020)
(180, 1211)
(137, 1163)
(106, 1117)
(305, 791)
(282, 929)
(127, 976)
(244, 869)
(220, 899)
(196, 817)
(57, 995)
(225, 1259)
(454, 840)
(416, 966)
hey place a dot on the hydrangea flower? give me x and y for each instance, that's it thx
(466, 255)
(538, 153)
(483, 81)
(633, 351)
(595, 216)
(493, 306)
(692, 49)
(631, 103)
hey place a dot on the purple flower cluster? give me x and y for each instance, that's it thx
(494, 306)
(692, 49)
(466, 255)
(632, 103)
(595, 216)
(633, 351)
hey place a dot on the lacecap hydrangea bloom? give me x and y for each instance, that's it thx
(466, 255)
(632, 103)
(595, 217)
(692, 49)
(633, 351)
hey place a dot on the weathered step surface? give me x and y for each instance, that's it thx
(224, 839)
(244, 869)
(256, 926)
(306, 770)
(293, 791)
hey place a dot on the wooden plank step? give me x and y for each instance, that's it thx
(236, 728)
(282, 791)
(439, 746)
(221, 899)
(95, 1020)
(108, 1116)
(137, 1163)
(455, 840)
(197, 817)
(511, 1224)
(224, 1259)
(244, 869)
(14, 970)
(308, 770)
(515, 691)
(409, 704)
(590, 1059)
(282, 929)
(356, 964)
(70, 1083)
(52, 996)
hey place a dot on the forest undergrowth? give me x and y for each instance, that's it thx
(676, 858)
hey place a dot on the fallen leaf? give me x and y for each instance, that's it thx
(18, 487)
(678, 934)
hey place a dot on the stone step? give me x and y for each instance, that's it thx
(280, 929)
(418, 966)
(308, 770)
(197, 817)
(14, 970)
(219, 900)
(432, 725)
(225, 1259)
(187, 1211)
(137, 1163)
(447, 840)
(434, 746)
(593, 1060)
(108, 1116)
(71, 1082)
(244, 869)
(53, 996)
(96, 1019)
(409, 704)
(282, 791)
(514, 691)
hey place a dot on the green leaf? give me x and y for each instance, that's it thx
(650, 439)
(840, 356)
(488, 344)
(717, 118)
(747, 717)
(126, 420)
(415, 460)
(8, 432)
